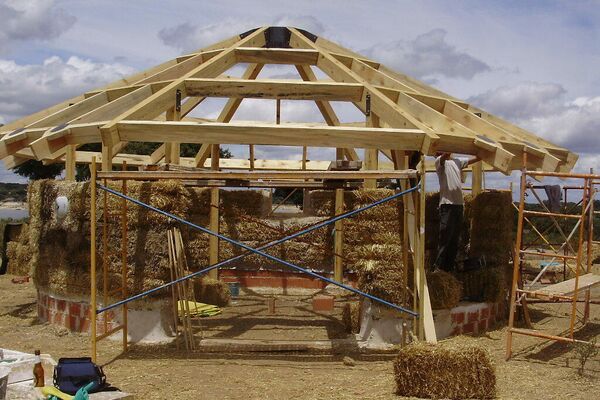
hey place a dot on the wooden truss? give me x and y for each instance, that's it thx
(402, 114)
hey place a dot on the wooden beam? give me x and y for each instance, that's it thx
(274, 89)
(242, 175)
(269, 134)
(228, 111)
(164, 98)
(307, 74)
(477, 178)
(70, 163)
(276, 56)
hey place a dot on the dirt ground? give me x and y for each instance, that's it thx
(539, 370)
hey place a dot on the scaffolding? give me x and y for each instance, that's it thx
(569, 290)
(411, 189)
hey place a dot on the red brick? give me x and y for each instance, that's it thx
(61, 305)
(73, 323)
(458, 318)
(482, 326)
(457, 330)
(322, 303)
(57, 318)
(492, 313)
(485, 312)
(84, 325)
(51, 303)
(468, 328)
(473, 316)
(75, 309)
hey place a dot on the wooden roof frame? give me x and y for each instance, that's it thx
(402, 113)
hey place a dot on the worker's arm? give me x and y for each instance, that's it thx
(472, 161)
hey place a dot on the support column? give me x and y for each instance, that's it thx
(107, 155)
(172, 149)
(70, 163)
(339, 237)
(371, 155)
(214, 214)
(477, 178)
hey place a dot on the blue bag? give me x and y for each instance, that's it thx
(71, 374)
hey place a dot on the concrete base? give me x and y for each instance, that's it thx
(148, 321)
(381, 327)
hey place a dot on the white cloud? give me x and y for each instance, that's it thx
(523, 100)
(189, 37)
(27, 88)
(542, 108)
(429, 56)
(32, 20)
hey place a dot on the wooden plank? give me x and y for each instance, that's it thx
(567, 288)
(269, 134)
(241, 175)
(276, 56)
(70, 163)
(274, 89)
(371, 154)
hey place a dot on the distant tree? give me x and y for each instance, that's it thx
(34, 170)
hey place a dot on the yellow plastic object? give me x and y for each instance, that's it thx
(52, 391)
(197, 309)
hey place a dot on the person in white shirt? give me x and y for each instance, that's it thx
(449, 170)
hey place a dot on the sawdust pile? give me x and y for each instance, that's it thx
(445, 371)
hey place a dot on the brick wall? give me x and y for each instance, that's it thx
(73, 315)
(474, 318)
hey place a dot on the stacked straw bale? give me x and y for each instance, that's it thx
(19, 253)
(447, 370)
(351, 316)
(445, 290)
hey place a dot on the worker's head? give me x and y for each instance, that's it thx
(443, 153)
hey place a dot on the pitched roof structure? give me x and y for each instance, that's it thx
(402, 113)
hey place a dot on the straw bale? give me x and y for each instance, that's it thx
(19, 258)
(444, 290)
(492, 228)
(256, 203)
(484, 284)
(351, 316)
(445, 371)
(211, 291)
(384, 281)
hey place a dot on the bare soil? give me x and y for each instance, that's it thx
(538, 370)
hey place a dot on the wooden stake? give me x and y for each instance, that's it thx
(214, 226)
(339, 237)
(93, 305)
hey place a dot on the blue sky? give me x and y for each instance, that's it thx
(536, 63)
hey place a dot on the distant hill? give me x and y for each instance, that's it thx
(13, 192)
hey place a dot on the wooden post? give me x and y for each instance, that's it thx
(477, 178)
(590, 241)
(371, 155)
(517, 260)
(578, 267)
(278, 112)
(172, 149)
(107, 155)
(339, 237)
(214, 226)
(93, 305)
(124, 242)
(251, 149)
(70, 162)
